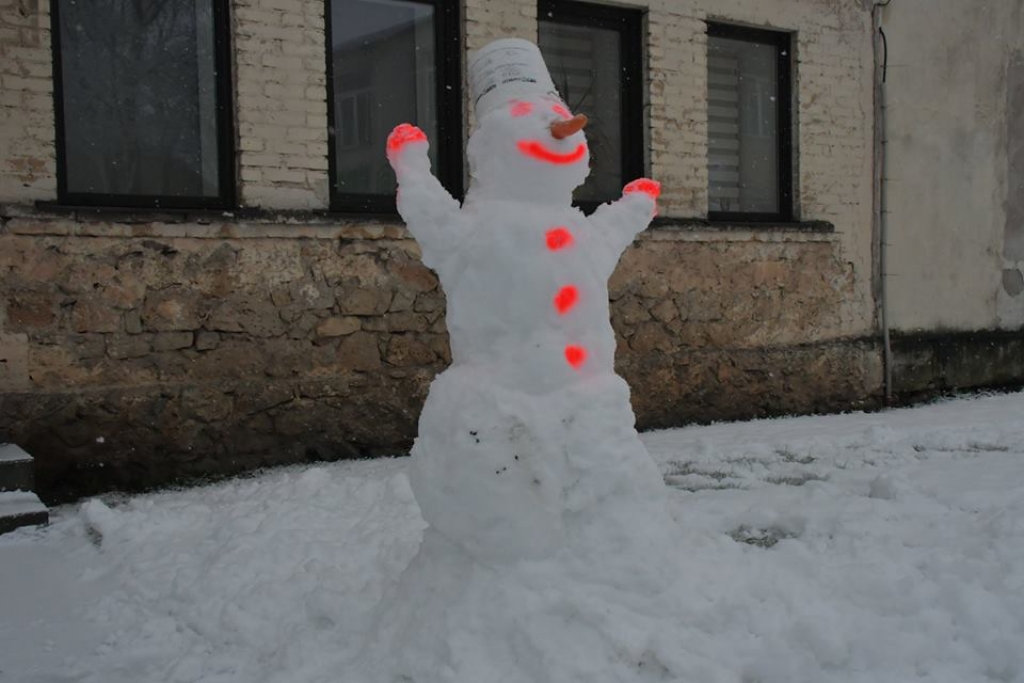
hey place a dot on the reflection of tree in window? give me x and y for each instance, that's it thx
(139, 97)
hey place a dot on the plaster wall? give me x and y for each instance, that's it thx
(955, 164)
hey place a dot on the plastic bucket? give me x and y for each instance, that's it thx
(506, 69)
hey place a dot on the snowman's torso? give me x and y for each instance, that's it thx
(522, 288)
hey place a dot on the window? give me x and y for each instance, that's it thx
(391, 62)
(749, 124)
(594, 54)
(142, 101)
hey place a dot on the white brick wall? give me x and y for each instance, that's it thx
(281, 86)
(677, 116)
(27, 161)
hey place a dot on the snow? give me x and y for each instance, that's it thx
(862, 547)
(10, 453)
(17, 503)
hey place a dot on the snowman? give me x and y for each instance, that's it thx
(529, 430)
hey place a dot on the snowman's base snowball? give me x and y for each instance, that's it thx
(551, 556)
(506, 474)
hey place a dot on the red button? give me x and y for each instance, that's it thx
(566, 298)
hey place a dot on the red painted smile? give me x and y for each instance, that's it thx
(535, 150)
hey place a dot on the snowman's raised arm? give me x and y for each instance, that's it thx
(429, 211)
(618, 222)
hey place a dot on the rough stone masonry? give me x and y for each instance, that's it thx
(178, 350)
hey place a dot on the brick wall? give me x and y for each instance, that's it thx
(281, 83)
(281, 97)
(27, 160)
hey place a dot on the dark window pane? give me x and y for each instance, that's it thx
(384, 74)
(743, 129)
(139, 97)
(586, 65)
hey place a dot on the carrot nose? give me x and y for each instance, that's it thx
(563, 129)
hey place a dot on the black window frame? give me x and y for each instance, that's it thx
(227, 196)
(448, 95)
(783, 43)
(629, 23)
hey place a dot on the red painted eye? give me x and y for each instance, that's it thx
(520, 108)
(575, 355)
(561, 111)
(558, 238)
(566, 298)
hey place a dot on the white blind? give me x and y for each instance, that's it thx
(723, 130)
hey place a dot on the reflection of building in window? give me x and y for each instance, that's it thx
(747, 101)
(383, 74)
(354, 115)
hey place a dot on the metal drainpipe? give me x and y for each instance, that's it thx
(880, 212)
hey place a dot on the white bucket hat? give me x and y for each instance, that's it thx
(506, 69)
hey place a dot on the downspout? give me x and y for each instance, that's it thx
(881, 140)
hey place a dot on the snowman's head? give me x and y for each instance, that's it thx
(529, 148)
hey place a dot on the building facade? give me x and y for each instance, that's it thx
(201, 269)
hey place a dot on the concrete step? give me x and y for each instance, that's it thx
(21, 508)
(16, 469)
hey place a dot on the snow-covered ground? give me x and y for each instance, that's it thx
(883, 547)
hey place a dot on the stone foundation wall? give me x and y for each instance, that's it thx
(138, 353)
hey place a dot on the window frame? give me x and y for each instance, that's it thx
(628, 22)
(782, 41)
(448, 96)
(226, 197)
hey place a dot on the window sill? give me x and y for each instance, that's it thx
(703, 224)
(669, 229)
(123, 214)
(51, 218)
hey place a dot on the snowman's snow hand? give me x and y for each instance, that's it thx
(617, 223)
(430, 213)
(405, 136)
(649, 187)
(644, 186)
